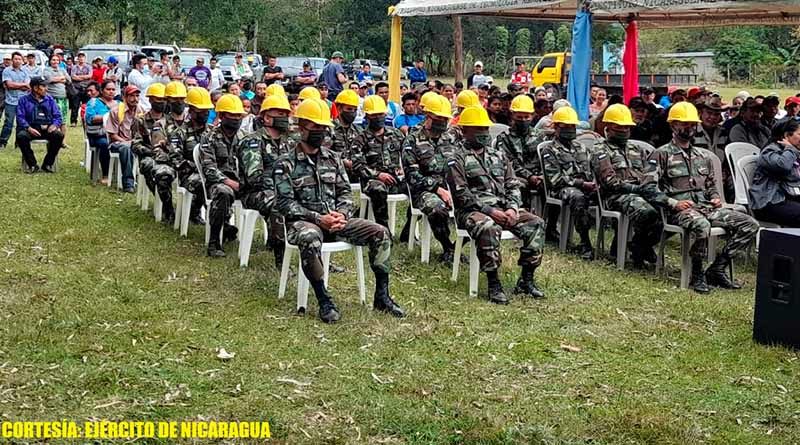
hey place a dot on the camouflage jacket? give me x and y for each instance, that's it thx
(218, 156)
(620, 171)
(685, 174)
(565, 166)
(521, 151)
(307, 188)
(147, 134)
(378, 154)
(257, 155)
(482, 182)
(425, 159)
(181, 146)
(343, 139)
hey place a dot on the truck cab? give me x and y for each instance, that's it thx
(551, 68)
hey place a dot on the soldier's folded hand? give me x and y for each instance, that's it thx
(499, 217)
(387, 179)
(534, 181)
(716, 202)
(332, 222)
(511, 217)
(589, 187)
(232, 184)
(445, 195)
(683, 205)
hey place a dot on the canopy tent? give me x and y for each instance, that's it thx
(647, 13)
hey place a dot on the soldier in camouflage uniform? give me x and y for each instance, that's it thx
(686, 175)
(569, 176)
(344, 131)
(175, 92)
(182, 141)
(149, 144)
(487, 200)
(520, 144)
(314, 196)
(426, 151)
(218, 148)
(258, 152)
(626, 183)
(376, 159)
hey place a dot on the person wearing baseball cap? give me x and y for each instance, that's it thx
(38, 117)
(120, 132)
(333, 75)
(791, 107)
(477, 78)
(711, 136)
(750, 128)
(113, 71)
(31, 67)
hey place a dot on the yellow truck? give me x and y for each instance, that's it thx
(553, 68)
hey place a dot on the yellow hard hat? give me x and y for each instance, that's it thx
(683, 112)
(155, 90)
(274, 89)
(467, 98)
(309, 93)
(199, 98)
(375, 105)
(565, 115)
(426, 99)
(522, 104)
(347, 97)
(315, 110)
(439, 106)
(229, 103)
(276, 101)
(618, 114)
(475, 116)
(175, 89)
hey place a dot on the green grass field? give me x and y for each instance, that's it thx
(110, 315)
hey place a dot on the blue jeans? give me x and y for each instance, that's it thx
(125, 162)
(101, 143)
(8, 124)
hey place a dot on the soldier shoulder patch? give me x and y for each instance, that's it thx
(653, 161)
(451, 162)
(601, 156)
(546, 155)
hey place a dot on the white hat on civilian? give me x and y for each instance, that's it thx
(479, 63)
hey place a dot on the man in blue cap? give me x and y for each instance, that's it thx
(114, 72)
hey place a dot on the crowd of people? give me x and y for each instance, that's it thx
(293, 157)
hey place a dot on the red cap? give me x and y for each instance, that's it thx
(694, 92)
(671, 89)
(131, 89)
(792, 100)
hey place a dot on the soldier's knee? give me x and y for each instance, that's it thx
(700, 227)
(439, 215)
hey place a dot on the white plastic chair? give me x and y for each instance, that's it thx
(425, 231)
(114, 166)
(87, 154)
(183, 209)
(496, 130)
(686, 260)
(623, 231)
(734, 152)
(196, 157)
(327, 250)
(474, 265)
(564, 212)
(247, 230)
(391, 201)
(34, 144)
(142, 191)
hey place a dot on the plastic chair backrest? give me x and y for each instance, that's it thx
(541, 164)
(737, 150)
(497, 129)
(588, 140)
(716, 164)
(199, 166)
(747, 168)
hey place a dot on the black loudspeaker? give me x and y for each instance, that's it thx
(777, 310)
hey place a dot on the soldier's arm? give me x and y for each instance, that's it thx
(711, 191)
(456, 177)
(251, 163)
(552, 171)
(416, 180)
(158, 140)
(513, 196)
(176, 150)
(344, 194)
(360, 167)
(654, 193)
(208, 157)
(139, 143)
(285, 200)
(607, 177)
(504, 144)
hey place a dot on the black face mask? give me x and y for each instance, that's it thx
(347, 117)
(315, 138)
(438, 127)
(567, 134)
(177, 107)
(478, 141)
(280, 123)
(522, 127)
(376, 124)
(159, 107)
(200, 117)
(232, 125)
(684, 135)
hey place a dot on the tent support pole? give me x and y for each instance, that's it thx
(458, 46)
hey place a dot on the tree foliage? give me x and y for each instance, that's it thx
(501, 38)
(522, 42)
(563, 38)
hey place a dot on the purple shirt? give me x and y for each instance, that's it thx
(202, 74)
(27, 108)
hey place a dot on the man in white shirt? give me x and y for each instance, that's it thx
(140, 80)
(217, 78)
(241, 70)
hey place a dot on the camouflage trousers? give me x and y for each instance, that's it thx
(264, 202)
(222, 198)
(377, 192)
(432, 206)
(308, 237)
(193, 184)
(155, 174)
(644, 218)
(486, 233)
(740, 228)
(578, 202)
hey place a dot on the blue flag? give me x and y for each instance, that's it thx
(580, 72)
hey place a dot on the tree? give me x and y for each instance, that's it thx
(563, 38)
(501, 49)
(549, 41)
(522, 42)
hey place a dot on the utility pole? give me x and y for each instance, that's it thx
(255, 38)
(458, 41)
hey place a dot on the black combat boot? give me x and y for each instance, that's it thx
(229, 233)
(698, 281)
(383, 302)
(167, 211)
(194, 214)
(278, 249)
(717, 273)
(327, 310)
(526, 284)
(585, 249)
(214, 247)
(407, 227)
(496, 294)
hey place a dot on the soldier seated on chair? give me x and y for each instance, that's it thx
(314, 195)
(345, 131)
(626, 183)
(686, 174)
(376, 159)
(487, 201)
(38, 117)
(569, 176)
(182, 142)
(257, 154)
(218, 149)
(149, 137)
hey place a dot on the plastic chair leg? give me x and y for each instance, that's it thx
(392, 207)
(158, 206)
(600, 235)
(565, 218)
(362, 291)
(362, 210)
(179, 196)
(326, 266)
(474, 271)
(622, 242)
(246, 240)
(686, 260)
(186, 209)
(302, 291)
(425, 240)
(457, 258)
(712, 248)
(287, 262)
(412, 231)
